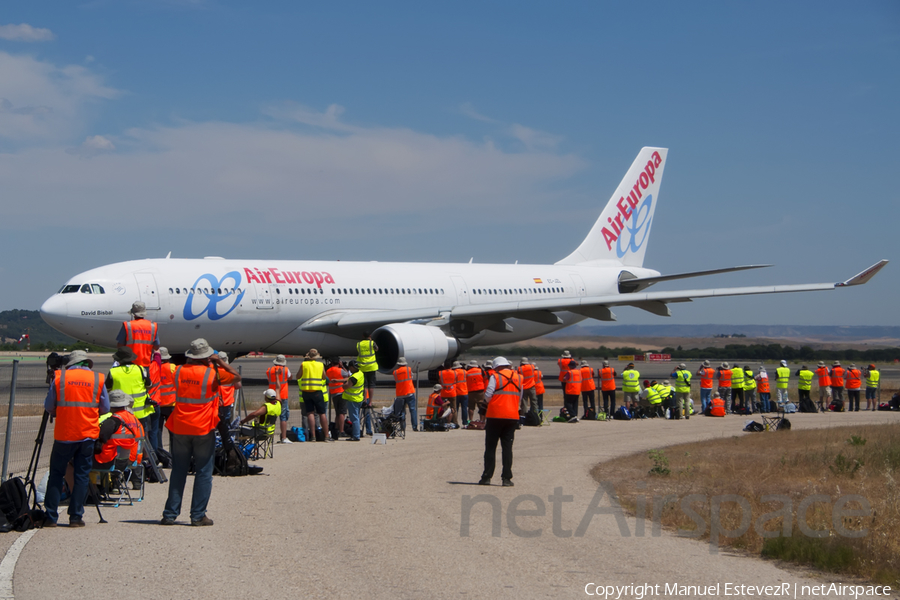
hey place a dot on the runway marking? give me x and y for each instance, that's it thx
(8, 565)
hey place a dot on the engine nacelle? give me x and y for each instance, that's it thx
(427, 347)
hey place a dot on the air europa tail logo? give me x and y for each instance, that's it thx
(632, 222)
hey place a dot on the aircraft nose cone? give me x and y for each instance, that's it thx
(53, 311)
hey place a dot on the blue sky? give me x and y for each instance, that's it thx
(493, 130)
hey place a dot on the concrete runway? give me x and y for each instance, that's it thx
(349, 520)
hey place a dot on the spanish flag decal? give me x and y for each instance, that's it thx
(537, 280)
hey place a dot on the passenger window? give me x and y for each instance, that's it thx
(177, 290)
(86, 289)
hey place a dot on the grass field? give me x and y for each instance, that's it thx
(813, 472)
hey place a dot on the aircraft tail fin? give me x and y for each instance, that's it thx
(621, 232)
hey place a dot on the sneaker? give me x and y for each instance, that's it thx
(76, 522)
(166, 521)
(352, 439)
(48, 523)
(484, 481)
(508, 483)
(204, 522)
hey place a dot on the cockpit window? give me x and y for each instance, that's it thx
(70, 289)
(86, 288)
(98, 289)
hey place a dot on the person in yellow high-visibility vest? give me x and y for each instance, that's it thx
(368, 364)
(313, 387)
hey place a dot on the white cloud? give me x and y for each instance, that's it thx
(41, 103)
(468, 110)
(246, 178)
(534, 139)
(25, 33)
(92, 146)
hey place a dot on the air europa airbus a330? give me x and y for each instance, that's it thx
(427, 312)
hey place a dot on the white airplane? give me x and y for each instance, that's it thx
(427, 312)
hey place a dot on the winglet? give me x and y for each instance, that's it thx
(865, 276)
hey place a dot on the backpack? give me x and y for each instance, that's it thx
(231, 462)
(236, 463)
(601, 416)
(13, 499)
(783, 425)
(475, 425)
(320, 434)
(532, 419)
(754, 426)
(589, 415)
(622, 414)
(164, 458)
(296, 434)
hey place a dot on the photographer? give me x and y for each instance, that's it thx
(77, 398)
(193, 424)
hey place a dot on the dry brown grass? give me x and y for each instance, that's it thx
(863, 460)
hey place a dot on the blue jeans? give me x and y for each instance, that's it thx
(150, 423)
(368, 420)
(705, 396)
(353, 415)
(82, 456)
(202, 448)
(410, 402)
(764, 401)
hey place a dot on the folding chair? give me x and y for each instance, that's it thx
(258, 441)
(546, 419)
(104, 481)
(774, 423)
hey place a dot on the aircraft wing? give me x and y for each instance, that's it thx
(491, 315)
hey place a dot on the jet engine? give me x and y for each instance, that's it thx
(426, 346)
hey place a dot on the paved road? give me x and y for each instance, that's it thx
(352, 520)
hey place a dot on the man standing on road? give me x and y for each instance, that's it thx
(462, 394)
(854, 383)
(588, 390)
(782, 378)
(279, 375)
(529, 397)
(405, 390)
(447, 377)
(503, 395)
(804, 387)
(837, 383)
(682, 391)
(139, 334)
(872, 379)
(365, 358)
(77, 398)
(337, 375)
(608, 388)
(354, 389)
(705, 373)
(312, 385)
(824, 386)
(193, 424)
(571, 388)
(762, 385)
(737, 387)
(475, 383)
(723, 374)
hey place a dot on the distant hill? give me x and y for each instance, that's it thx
(819, 332)
(14, 323)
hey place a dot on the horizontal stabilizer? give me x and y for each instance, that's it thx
(633, 283)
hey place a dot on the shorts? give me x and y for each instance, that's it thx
(871, 393)
(285, 412)
(369, 378)
(314, 401)
(631, 397)
(340, 405)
